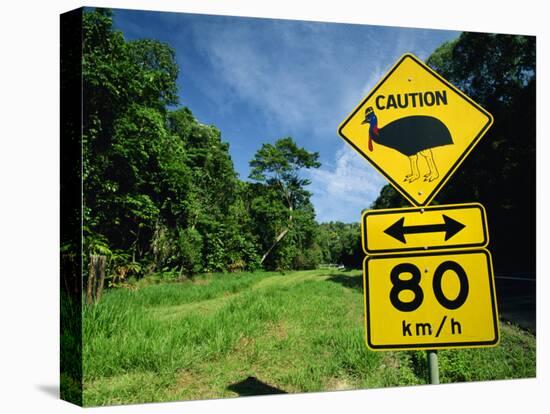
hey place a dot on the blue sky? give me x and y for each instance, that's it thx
(258, 80)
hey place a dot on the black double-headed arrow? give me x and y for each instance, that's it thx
(449, 226)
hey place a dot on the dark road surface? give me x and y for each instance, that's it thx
(516, 299)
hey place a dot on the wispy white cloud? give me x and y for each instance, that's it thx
(262, 79)
(240, 58)
(303, 79)
(294, 74)
(342, 190)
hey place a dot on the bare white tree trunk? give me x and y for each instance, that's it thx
(278, 238)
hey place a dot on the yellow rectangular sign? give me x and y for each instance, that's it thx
(455, 226)
(432, 300)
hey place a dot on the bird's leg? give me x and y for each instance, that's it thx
(433, 174)
(424, 153)
(415, 174)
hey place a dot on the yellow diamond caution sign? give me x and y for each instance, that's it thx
(431, 300)
(443, 227)
(415, 128)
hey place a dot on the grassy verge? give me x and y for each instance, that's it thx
(249, 334)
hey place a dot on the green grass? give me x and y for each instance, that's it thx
(252, 333)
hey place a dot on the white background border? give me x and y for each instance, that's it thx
(29, 231)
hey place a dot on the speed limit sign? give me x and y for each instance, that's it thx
(430, 300)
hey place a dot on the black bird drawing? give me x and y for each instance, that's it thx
(411, 136)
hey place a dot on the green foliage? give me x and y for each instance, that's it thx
(159, 187)
(498, 71)
(95, 243)
(389, 198)
(340, 243)
(281, 162)
(280, 207)
(120, 267)
(189, 250)
(126, 86)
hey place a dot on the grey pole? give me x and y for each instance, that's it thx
(433, 367)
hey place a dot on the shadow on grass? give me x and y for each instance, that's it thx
(253, 386)
(351, 282)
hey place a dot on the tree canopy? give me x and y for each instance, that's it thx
(161, 194)
(278, 167)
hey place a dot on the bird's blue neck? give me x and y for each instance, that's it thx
(373, 124)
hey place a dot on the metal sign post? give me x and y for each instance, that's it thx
(433, 367)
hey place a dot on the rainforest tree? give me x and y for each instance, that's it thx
(161, 193)
(281, 203)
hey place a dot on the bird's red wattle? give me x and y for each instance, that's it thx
(375, 133)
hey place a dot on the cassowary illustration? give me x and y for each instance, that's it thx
(410, 136)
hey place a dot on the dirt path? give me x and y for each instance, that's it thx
(214, 304)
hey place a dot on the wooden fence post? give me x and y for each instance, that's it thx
(91, 281)
(96, 278)
(100, 276)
